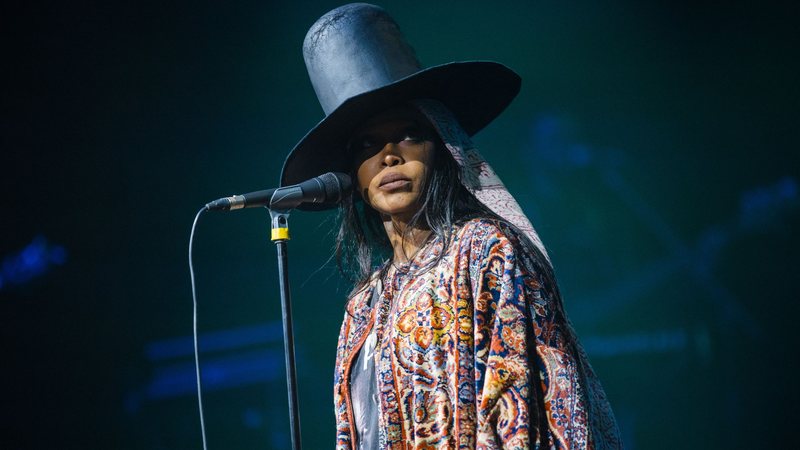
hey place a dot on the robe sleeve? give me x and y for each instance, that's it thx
(529, 390)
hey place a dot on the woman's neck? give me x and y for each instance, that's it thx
(405, 242)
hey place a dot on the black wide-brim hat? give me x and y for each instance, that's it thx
(360, 65)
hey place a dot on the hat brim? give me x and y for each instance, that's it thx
(475, 91)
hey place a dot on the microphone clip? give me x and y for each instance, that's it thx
(280, 225)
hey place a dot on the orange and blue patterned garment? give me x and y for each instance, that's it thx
(473, 352)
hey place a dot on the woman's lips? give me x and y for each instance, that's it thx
(393, 181)
(394, 185)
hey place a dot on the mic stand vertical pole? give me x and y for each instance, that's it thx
(280, 234)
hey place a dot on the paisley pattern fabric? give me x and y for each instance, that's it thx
(473, 352)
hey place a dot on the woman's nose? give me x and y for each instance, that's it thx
(390, 155)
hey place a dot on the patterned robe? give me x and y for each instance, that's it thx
(473, 352)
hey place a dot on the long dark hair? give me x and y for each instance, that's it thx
(362, 244)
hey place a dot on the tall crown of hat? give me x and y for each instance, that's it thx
(360, 65)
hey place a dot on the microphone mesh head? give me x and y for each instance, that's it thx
(337, 185)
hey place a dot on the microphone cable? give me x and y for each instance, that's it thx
(194, 332)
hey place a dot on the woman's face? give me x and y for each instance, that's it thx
(392, 155)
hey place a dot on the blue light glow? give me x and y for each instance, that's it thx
(31, 262)
(231, 339)
(758, 206)
(644, 342)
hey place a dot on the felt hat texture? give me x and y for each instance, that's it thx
(360, 65)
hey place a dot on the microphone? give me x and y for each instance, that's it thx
(328, 188)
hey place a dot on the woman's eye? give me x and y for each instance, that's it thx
(361, 145)
(414, 136)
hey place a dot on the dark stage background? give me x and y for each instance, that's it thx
(653, 145)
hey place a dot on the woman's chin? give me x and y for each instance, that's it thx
(396, 206)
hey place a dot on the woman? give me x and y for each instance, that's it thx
(455, 335)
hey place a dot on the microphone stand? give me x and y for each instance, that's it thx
(329, 187)
(280, 234)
